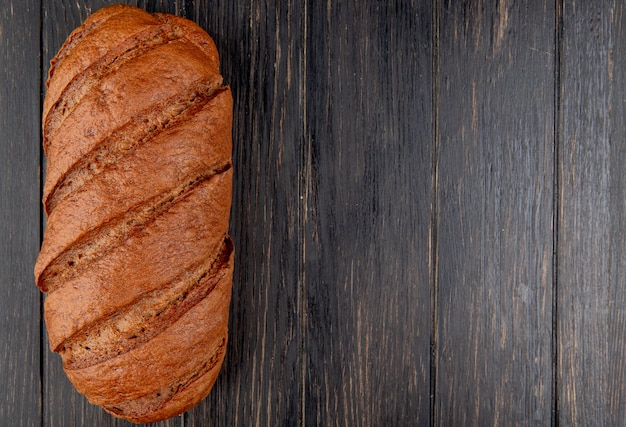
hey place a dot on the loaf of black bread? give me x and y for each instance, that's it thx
(136, 260)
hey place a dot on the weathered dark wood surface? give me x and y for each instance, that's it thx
(20, 328)
(591, 246)
(495, 174)
(429, 212)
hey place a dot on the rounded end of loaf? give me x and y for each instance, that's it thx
(180, 403)
(174, 370)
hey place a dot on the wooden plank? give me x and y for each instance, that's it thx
(261, 55)
(495, 213)
(592, 231)
(20, 333)
(367, 201)
(62, 404)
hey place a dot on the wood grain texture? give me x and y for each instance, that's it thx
(495, 213)
(592, 232)
(368, 213)
(19, 213)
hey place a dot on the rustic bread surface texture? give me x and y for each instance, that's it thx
(136, 259)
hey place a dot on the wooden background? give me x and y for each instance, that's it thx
(429, 213)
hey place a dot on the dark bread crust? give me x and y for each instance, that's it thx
(184, 399)
(186, 236)
(123, 95)
(178, 154)
(136, 256)
(193, 338)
